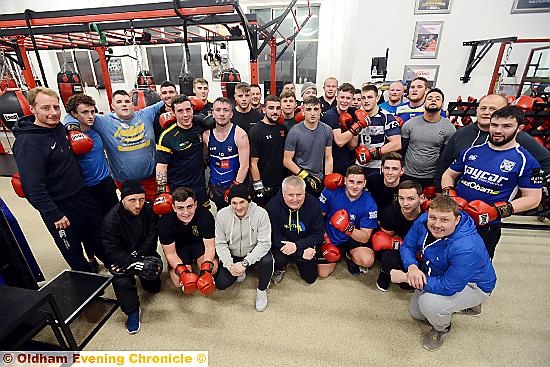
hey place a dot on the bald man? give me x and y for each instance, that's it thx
(478, 133)
(395, 97)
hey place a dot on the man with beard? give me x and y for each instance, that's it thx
(382, 135)
(423, 139)
(267, 143)
(395, 96)
(478, 133)
(350, 217)
(417, 96)
(491, 174)
(256, 97)
(180, 154)
(167, 92)
(244, 115)
(328, 100)
(383, 186)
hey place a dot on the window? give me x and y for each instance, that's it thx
(87, 66)
(299, 62)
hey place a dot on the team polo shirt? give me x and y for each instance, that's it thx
(172, 230)
(381, 126)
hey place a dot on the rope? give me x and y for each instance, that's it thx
(501, 75)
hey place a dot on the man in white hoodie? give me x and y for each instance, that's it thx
(243, 240)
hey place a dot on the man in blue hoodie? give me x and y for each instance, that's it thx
(52, 182)
(296, 229)
(456, 272)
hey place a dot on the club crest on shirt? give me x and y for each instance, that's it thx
(507, 166)
(230, 149)
(472, 157)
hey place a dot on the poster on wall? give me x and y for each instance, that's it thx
(530, 6)
(115, 70)
(427, 38)
(426, 71)
(433, 6)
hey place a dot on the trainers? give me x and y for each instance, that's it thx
(241, 277)
(353, 268)
(278, 276)
(434, 339)
(383, 282)
(133, 324)
(472, 311)
(261, 300)
(363, 270)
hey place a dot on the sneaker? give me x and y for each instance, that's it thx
(353, 268)
(94, 266)
(261, 300)
(363, 270)
(472, 311)
(434, 339)
(241, 277)
(133, 324)
(383, 282)
(278, 276)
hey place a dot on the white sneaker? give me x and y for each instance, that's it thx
(364, 270)
(241, 278)
(261, 300)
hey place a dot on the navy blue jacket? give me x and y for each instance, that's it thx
(450, 263)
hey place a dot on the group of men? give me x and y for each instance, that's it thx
(336, 177)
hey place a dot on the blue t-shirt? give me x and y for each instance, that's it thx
(362, 212)
(389, 108)
(406, 112)
(93, 165)
(495, 175)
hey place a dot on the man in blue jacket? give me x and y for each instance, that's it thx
(456, 272)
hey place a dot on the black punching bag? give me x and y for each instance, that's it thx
(186, 84)
(13, 105)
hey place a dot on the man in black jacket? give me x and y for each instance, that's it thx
(478, 133)
(129, 235)
(296, 229)
(51, 179)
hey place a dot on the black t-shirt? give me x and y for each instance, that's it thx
(207, 110)
(246, 120)
(325, 106)
(382, 194)
(342, 157)
(171, 229)
(267, 142)
(181, 149)
(392, 219)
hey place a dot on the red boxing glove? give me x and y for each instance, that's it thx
(483, 213)
(188, 280)
(362, 122)
(196, 103)
(525, 103)
(162, 204)
(205, 283)
(363, 155)
(299, 117)
(449, 191)
(281, 120)
(340, 221)
(345, 120)
(462, 203)
(330, 252)
(426, 205)
(166, 119)
(429, 192)
(16, 184)
(80, 143)
(333, 181)
(399, 120)
(383, 241)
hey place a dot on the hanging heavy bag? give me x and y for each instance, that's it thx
(229, 79)
(145, 80)
(185, 82)
(142, 98)
(7, 82)
(13, 105)
(69, 84)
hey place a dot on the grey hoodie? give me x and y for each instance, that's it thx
(249, 237)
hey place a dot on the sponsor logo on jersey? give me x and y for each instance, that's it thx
(484, 176)
(507, 166)
(195, 230)
(475, 186)
(373, 215)
(352, 217)
(472, 157)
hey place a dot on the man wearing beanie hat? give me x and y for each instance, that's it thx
(129, 236)
(308, 89)
(243, 240)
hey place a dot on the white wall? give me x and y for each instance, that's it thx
(353, 31)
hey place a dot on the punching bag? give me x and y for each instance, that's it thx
(13, 105)
(229, 79)
(7, 82)
(142, 98)
(145, 80)
(69, 84)
(186, 84)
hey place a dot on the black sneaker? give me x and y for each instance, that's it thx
(383, 281)
(353, 268)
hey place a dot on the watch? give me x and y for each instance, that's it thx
(245, 263)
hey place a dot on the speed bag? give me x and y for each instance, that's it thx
(69, 84)
(142, 98)
(229, 79)
(13, 105)
(186, 84)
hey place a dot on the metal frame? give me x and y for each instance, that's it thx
(474, 60)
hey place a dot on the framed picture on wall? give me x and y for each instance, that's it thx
(427, 38)
(433, 6)
(427, 71)
(530, 6)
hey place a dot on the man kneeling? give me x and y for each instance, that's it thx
(456, 274)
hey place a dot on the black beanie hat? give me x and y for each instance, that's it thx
(240, 191)
(131, 188)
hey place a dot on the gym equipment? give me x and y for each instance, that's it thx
(68, 83)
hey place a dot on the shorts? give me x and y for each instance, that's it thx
(189, 254)
(344, 248)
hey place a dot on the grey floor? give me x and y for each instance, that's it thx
(340, 321)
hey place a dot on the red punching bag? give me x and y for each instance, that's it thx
(142, 98)
(69, 84)
(13, 105)
(229, 79)
(7, 82)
